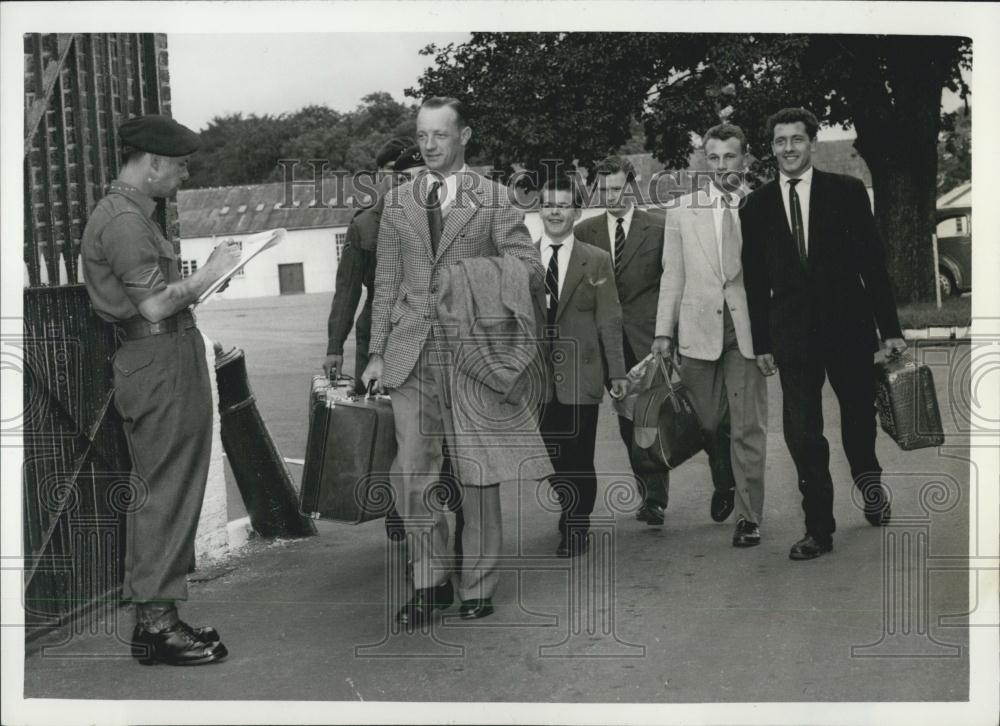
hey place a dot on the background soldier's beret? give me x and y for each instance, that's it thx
(409, 159)
(390, 152)
(159, 135)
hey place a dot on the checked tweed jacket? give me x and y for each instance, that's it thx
(480, 223)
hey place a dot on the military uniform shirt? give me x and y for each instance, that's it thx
(125, 256)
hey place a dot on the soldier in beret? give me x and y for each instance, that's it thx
(162, 389)
(356, 268)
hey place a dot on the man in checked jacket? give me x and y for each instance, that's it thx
(442, 217)
(356, 269)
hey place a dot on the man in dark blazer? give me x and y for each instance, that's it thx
(585, 342)
(634, 239)
(817, 285)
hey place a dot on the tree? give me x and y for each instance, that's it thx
(573, 95)
(237, 150)
(955, 150)
(245, 150)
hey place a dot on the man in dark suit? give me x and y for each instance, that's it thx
(585, 330)
(634, 239)
(817, 284)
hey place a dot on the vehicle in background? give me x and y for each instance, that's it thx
(954, 236)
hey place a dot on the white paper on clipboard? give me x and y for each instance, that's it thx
(253, 245)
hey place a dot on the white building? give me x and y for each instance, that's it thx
(306, 261)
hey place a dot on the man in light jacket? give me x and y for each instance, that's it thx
(702, 296)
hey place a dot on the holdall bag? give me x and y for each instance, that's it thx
(666, 425)
(907, 402)
(350, 446)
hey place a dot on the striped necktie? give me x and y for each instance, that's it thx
(552, 283)
(619, 245)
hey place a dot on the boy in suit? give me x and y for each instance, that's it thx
(585, 340)
(634, 239)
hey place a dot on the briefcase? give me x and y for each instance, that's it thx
(666, 426)
(349, 449)
(907, 403)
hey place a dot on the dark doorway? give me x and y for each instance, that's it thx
(291, 279)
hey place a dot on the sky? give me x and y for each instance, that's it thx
(216, 74)
(272, 73)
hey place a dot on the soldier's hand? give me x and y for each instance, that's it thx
(766, 364)
(373, 372)
(662, 346)
(619, 387)
(332, 366)
(225, 255)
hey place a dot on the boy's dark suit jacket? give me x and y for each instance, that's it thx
(639, 281)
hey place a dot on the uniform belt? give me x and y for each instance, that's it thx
(137, 327)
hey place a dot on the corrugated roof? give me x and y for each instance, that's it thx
(960, 196)
(201, 210)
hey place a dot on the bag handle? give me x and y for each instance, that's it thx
(667, 368)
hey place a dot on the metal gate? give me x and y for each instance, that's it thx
(78, 90)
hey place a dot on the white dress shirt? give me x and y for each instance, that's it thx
(545, 246)
(722, 203)
(802, 189)
(613, 227)
(450, 187)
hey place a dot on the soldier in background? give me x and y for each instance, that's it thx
(356, 268)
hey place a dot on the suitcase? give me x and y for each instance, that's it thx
(666, 425)
(907, 403)
(260, 472)
(350, 447)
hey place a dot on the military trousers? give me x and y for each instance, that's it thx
(164, 396)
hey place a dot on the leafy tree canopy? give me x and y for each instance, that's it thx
(533, 96)
(238, 149)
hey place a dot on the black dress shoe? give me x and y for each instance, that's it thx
(747, 533)
(573, 545)
(877, 510)
(423, 603)
(474, 609)
(808, 548)
(651, 513)
(881, 517)
(178, 645)
(722, 505)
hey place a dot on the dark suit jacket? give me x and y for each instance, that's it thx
(843, 289)
(639, 282)
(589, 323)
(355, 269)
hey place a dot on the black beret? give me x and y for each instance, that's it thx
(390, 152)
(159, 135)
(409, 159)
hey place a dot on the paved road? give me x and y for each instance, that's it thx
(678, 614)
